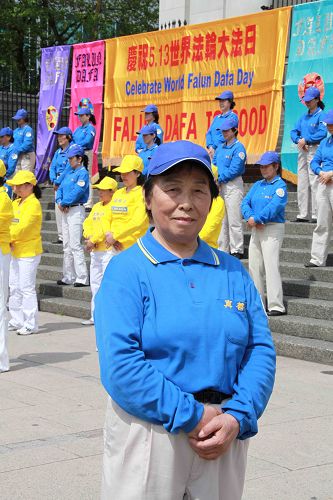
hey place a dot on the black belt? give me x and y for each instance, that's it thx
(76, 205)
(210, 396)
(313, 143)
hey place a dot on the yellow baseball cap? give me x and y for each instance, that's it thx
(22, 177)
(129, 163)
(2, 169)
(106, 183)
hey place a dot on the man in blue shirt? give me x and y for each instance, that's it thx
(24, 142)
(148, 133)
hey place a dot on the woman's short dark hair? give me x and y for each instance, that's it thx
(279, 168)
(235, 131)
(141, 179)
(85, 160)
(156, 116)
(92, 119)
(321, 105)
(232, 103)
(37, 192)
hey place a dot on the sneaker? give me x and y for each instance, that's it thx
(58, 242)
(87, 322)
(274, 312)
(238, 255)
(12, 328)
(78, 285)
(26, 331)
(310, 264)
(62, 283)
(4, 370)
(299, 219)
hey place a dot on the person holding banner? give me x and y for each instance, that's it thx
(307, 134)
(185, 350)
(322, 167)
(7, 151)
(6, 217)
(148, 134)
(212, 227)
(264, 210)
(214, 136)
(26, 246)
(71, 196)
(58, 169)
(85, 136)
(95, 228)
(151, 118)
(24, 142)
(230, 160)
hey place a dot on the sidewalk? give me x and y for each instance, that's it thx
(52, 411)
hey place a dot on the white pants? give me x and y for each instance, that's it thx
(26, 161)
(232, 229)
(306, 181)
(23, 306)
(322, 233)
(90, 202)
(98, 263)
(74, 266)
(142, 461)
(58, 214)
(264, 259)
(4, 277)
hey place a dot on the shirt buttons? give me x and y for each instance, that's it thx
(186, 263)
(192, 285)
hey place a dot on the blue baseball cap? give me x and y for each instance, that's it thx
(6, 131)
(311, 93)
(227, 94)
(83, 111)
(147, 129)
(63, 131)
(268, 158)
(74, 150)
(20, 113)
(327, 118)
(169, 154)
(151, 108)
(228, 123)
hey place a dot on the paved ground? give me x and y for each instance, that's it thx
(52, 412)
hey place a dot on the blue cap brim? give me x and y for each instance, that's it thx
(168, 165)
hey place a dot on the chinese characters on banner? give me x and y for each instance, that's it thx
(54, 71)
(87, 83)
(182, 71)
(310, 63)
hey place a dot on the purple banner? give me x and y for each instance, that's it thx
(54, 70)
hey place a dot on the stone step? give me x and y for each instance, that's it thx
(49, 273)
(64, 306)
(51, 289)
(50, 247)
(299, 326)
(309, 308)
(56, 259)
(308, 289)
(290, 241)
(300, 255)
(317, 351)
(298, 271)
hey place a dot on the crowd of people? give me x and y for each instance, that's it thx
(169, 281)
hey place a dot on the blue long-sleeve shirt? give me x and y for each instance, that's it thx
(323, 158)
(23, 139)
(9, 156)
(266, 201)
(59, 165)
(140, 144)
(146, 155)
(310, 128)
(230, 161)
(74, 188)
(214, 135)
(85, 136)
(168, 327)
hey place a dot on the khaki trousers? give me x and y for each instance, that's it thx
(26, 161)
(323, 231)
(143, 461)
(307, 182)
(264, 259)
(232, 228)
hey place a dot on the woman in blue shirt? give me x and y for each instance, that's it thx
(184, 345)
(8, 154)
(230, 161)
(151, 118)
(148, 134)
(263, 208)
(24, 142)
(307, 134)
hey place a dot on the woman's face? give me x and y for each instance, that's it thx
(105, 195)
(23, 190)
(228, 134)
(63, 141)
(224, 105)
(269, 171)
(312, 105)
(75, 161)
(148, 139)
(5, 140)
(84, 119)
(149, 117)
(180, 203)
(130, 179)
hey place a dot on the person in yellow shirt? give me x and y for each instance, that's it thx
(6, 215)
(26, 246)
(129, 217)
(95, 228)
(211, 230)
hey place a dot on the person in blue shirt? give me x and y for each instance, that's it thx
(322, 167)
(8, 154)
(214, 136)
(24, 142)
(58, 169)
(230, 161)
(185, 350)
(264, 210)
(151, 118)
(148, 133)
(71, 196)
(85, 136)
(307, 134)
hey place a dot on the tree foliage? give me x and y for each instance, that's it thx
(28, 25)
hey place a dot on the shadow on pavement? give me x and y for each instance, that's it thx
(44, 358)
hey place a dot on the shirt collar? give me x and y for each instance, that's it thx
(276, 178)
(229, 146)
(318, 110)
(157, 254)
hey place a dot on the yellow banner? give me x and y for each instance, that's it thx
(182, 71)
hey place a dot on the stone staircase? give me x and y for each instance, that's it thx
(305, 333)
